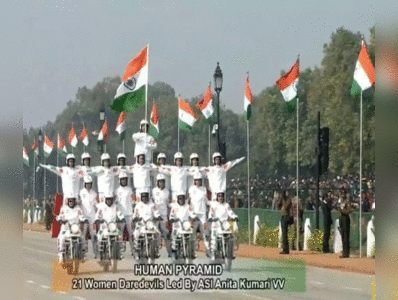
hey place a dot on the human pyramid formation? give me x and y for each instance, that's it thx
(178, 194)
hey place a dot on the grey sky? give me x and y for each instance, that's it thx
(63, 45)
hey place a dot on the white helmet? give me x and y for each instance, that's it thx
(197, 175)
(160, 177)
(193, 155)
(109, 194)
(70, 156)
(181, 193)
(144, 122)
(123, 175)
(178, 155)
(88, 179)
(85, 155)
(105, 156)
(121, 155)
(161, 155)
(145, 190)
(216, 154)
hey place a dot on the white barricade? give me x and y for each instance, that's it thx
(256, 228)
(370, 239)
(338, 242)
(307, 232)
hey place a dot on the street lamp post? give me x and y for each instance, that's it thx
(218, 87)
(102, 120)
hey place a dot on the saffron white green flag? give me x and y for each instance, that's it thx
(121, 126)
(287, 84)
(248, 99)
(72, 137)
(25, 156)
(186, 116)
(61, 146)
(84, 135)
(154, 124)
(35, 149)
(48, 146)
(131, 93)
(103, 134)
(205, 105)
(364, 74)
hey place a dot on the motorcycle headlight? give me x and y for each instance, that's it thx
(186, 225)
(226, 226)
(75, 229)
(112, 227)
(149, 225)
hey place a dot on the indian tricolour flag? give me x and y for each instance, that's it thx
(131, 93)
(35, 149)
(72, 137)
(84, 135)
(103, 134)
(48, 146)
(205, 105)
(25, 156)
(248, 99)
(154, 121)
(186, 116)
(364, 74)
(121, 126)
(61, 146)
(287, 84)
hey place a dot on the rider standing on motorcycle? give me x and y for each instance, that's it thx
(217, 174)
(109, 212)
(106, 175)
(125, 200)
(161, 160)
(69, 213)
(141, 175)
(180, 211)
(193, 169)
(220, 210)
(144, 142)
(86, 167)
(161, 198)
(88, 203)
(144, 211)
(69, 174)
(121, 163)
(199, 203)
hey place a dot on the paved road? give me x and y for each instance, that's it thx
(40, 251)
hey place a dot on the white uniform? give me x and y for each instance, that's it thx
(73, 216)
(87, 171)
(167, 183)
(88, 203)
(146, 212)
(199, 203)
(106, 178)
(191, 171)
(70, 179)
(144, 144)
(182, 212)
(107, 213)
(161, 199)
(217, 175)
(141, 177)
(222, 211)
(125, 199)
(178, 178)
(129, 178)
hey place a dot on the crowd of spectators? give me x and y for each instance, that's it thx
(265, 192)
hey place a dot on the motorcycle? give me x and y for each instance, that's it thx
(74, 248)
(184, 242)
(109, 245)
(147, 244)
(225, 242)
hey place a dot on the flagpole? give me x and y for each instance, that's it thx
(57, 163)
(297, 176)
(34, 173)
(248, 179)
(75, 134)
(178, 127)
(360, 182)
(123, 145)
(45, 162)
(209, 144)
(146, 90)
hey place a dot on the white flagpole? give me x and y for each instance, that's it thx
(248, 179)
(178, 127)
(57, 163)
(34, 174)
(75, 134)
(360, 182)
(146, 90)
(297, 176)
(123, 144)
(209, 144)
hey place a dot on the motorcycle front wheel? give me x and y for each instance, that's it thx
(114, 256)
(229, 251)
(152, 251)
